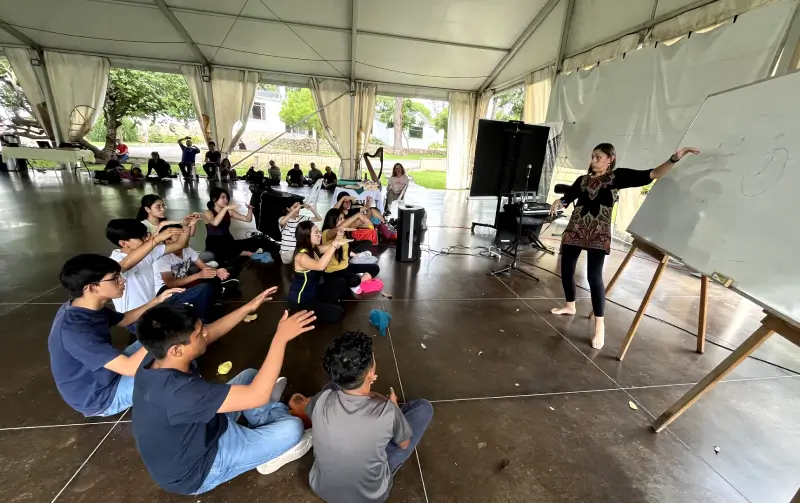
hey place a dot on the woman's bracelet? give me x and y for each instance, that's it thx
(673, 160)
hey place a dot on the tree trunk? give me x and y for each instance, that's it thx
(398, 125)
(112, 124)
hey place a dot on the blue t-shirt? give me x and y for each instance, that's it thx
(176, 425)
(80, 347)
(189, 153)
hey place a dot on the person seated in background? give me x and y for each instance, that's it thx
(137, 254)
(92, 376)
(159, 165)
(314, 174)
(226, 171)
(274, 173)
(329, 180)
(174, 270)
(288, 225)
(311, 258)
(395, 186)
(361, 438)
(253, 176)
(188, 155)
(186, 428)
(334, 227)
(212, 160)
(294, 177)
(121, 151)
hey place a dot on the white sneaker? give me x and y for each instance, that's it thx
(356, 290)
(213, 264)
(293, 454)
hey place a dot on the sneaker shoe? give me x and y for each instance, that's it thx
(295, 453)
(213, 263)
(230, 283)
(356, 290)
(277, 390)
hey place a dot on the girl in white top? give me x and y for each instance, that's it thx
(153, 214)
(397, 183)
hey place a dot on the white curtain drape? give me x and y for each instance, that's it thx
(233, 92)
(537, 95)
(335, 118)
(695, 19)
(79, 89)
(200, 94)
(365, 113)
(20, 61)
(462, 130)
(602, 53)
(644, 103)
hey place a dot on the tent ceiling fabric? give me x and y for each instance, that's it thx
(433, 46)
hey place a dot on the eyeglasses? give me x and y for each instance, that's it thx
(116, 278)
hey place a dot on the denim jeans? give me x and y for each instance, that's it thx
(123, 397)
(418, 413)
(272, 432)
(201, 296)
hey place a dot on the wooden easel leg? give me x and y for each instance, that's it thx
(622, 267)
(645, 301)
(701, 319)
(743, 351)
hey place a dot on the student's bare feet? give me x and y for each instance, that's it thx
(569, 308)
(599, 338)
(365, 277)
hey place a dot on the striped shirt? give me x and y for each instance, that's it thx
(288, 240)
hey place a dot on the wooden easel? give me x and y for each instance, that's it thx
(770, 325)
(663, 260)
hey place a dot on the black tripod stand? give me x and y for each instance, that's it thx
(514, 265)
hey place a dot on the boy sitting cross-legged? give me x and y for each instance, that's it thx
(361, 438)
(186, 428)
(93, 377)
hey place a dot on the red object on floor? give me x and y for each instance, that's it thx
(371, 286)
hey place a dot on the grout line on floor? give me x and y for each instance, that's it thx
(31, 300)
(527, 395)
(17, 428)
(89, 457)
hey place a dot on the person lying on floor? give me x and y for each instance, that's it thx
(294, 177)
(361, 438)
(173, 270)
(137, 254)
(339, 266)
(186, 428)
(219, 239)
(92, 376)
(288, 225)
(311, 258)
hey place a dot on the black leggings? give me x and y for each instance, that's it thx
(351, 274)
(325, 303)
(594, 274)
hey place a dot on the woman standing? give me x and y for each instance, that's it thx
(589, 226)
(219, 239)
(311, 258)
(397, 183)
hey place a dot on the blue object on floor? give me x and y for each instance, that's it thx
(380, 319)
(264, 257)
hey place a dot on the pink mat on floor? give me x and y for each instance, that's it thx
(371, 286)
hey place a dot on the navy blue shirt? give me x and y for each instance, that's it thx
(80, 347)
(176, 425)
(189, 153)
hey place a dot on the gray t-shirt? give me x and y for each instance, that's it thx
(350, 438)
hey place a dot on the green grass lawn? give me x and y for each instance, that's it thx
(429, 179)
(413, 157)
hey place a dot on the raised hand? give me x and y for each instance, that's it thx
(259, 299)
(291, 326)
(232, 206)
(168, 293)
(166, 234)
(680, 153)
(392, 396)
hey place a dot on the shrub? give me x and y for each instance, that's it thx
(374, 140)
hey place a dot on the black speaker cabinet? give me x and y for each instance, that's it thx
(409, 233)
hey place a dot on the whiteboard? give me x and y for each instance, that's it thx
(735, 209)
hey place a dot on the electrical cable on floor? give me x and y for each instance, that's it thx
(667, 322)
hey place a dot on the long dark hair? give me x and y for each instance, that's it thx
(302, 236)
(147, 201)
(402, 169)
(215, 194)
(609, 150)
(329, 222)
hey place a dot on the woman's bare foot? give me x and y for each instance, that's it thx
(569, 308)
(365, 277)
(599, 338)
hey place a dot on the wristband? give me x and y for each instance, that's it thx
(673, 160)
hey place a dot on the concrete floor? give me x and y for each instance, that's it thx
(525, 410)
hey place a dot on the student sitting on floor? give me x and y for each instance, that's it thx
(173, 270)
(361, 438)
(226, 171)
(334, 227)
(137, 253)
(159, 165)
(92, 376)
(186, 428)
(274, 173)
(288, 226)
(329, 180)
(314, 174)
(310, 260)
(294, 177)
(153, 214)
(219, 239)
